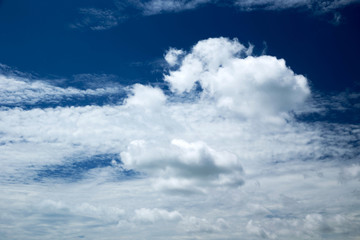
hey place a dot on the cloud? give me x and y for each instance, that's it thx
(183, 166)
(160, 6)
(200, 225)
(172, 56)
(18, 91)
(103, 19)
(96, 19)
(234, 80)
(153, 215)
(103, 213)
(227, 150)
(145, 97)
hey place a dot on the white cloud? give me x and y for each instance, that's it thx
(172, 56)
(18, 91)
(247, 85)
(103, 213)
(159, 6)
(145, 97)
(183, 166)
(103, 19)
(249, 177)
(152, 215)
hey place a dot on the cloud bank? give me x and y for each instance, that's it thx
(220, 154)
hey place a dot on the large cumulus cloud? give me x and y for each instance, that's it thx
(235, 81)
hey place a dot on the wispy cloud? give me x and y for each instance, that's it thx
(103, 19)
(19, 91)
(160, 6)
(96, 19)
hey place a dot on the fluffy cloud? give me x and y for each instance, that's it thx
(183, 166)
(172, 56)
(247, 85)
(145, 97)
(211, 136)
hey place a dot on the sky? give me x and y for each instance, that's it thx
(180, 119)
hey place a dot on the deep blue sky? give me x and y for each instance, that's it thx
(36, 37)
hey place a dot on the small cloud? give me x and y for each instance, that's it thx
(336, 19)
(153, 7)
(96, 19)
(230, 76)
(173, 56)
(146, 215)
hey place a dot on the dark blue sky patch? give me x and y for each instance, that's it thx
(77, 169)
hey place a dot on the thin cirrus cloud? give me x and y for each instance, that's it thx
(96, 19)
(160, 6)
(103, 19)
(211, 160)
(19, 91)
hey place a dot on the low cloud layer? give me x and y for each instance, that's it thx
(221, 154)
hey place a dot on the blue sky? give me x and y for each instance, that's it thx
(179, 119)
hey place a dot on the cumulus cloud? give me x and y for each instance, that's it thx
(250, 86)
(172, 56)
(146, 97)
(183, 166)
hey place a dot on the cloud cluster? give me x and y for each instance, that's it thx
(247, 85)
(184, 167)
(218, 155)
